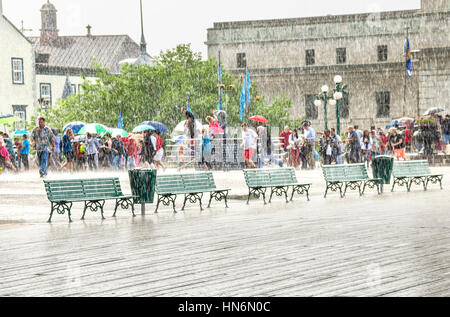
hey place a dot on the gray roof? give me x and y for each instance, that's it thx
(78, 52)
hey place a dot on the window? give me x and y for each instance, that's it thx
(241, 60)
(46, 95)
(80, 89)
(20, 112)
(344, 109)
(382, 53)
(74, 89)
(311, 110)
(341, 55)
(310, 57)
(383, 104)
(17, 70)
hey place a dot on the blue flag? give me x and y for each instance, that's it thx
(120, 125)
(407, 55)
(248, 86)
(220, 89)
(242, 101)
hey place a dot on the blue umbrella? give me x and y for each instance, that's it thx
(158, 126)
(75, 126)
(142, 128)
(20, 133)
(179, 139)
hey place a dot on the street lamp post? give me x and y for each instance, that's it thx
(325, 98)
(338, 96)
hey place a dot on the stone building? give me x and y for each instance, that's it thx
(60, 56)
(298, 56)
(17, 74)
(33, 70)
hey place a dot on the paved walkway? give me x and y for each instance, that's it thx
(391, 245)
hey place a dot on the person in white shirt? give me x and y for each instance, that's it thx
(294, 149)
(249, 143)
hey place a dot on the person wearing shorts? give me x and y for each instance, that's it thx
(249, 143)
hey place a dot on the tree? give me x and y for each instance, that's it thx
(157, 93)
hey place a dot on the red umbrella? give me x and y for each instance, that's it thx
(259, 119)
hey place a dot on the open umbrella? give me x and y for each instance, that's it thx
(179, 139)
(214, 129)
(8, 118)
(180, 126)
(405, 120)
(93, 128)
(433, 111)
(143, 128)
(75, 126)
(115, 132)
(20, 133)
(157, 125)
(259, 119)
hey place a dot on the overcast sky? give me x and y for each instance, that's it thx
(171, 22)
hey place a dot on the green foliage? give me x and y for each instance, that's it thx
(157, 93)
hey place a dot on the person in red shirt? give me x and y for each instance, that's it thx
(384, 143)
(132, 153)
(408, 138)
(284, 142)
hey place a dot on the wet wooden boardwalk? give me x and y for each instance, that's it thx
(395, 245)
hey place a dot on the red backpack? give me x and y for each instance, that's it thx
(159, 143)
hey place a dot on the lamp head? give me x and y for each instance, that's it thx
(325, 88)
(338, 95)
(317, 103)
(338, 79)
(332, 102)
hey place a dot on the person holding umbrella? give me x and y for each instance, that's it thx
(4, 156)
(43, 142)
(67, 149)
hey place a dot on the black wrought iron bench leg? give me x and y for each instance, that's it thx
(219, 196)
(60, 208)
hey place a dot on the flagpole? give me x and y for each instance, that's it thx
(406, 75)
(220, 92)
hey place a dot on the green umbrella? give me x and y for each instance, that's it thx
(8, 118)
(93, 128)
(115, 132)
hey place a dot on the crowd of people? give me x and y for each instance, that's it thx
(73, 153)
(300, 148)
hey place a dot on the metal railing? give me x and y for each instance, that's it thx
(226, 154)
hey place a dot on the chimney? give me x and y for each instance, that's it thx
(89, 31)
(49, 30)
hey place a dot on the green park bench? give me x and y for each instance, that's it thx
(278, 180)
(353, 176)
(93, 192)
(417, 172)
(192, 186)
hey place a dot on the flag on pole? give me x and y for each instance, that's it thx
(220, 88)
(242, 101)
(120, 125)
(248, 86)
(407, 55)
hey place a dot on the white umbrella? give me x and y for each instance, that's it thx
(433, 111)
(181, 126)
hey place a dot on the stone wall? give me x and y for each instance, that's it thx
(276, 57)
